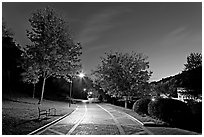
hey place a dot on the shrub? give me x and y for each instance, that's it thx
(141, 106)
(100, 98)
(130, 104)
(172, 111)
(119, 103)
(196, 108)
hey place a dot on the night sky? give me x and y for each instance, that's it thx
(165, 32)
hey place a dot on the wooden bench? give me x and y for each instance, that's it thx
(45, 112)
(42, 112)
(50, 110)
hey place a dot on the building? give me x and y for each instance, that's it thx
(183, 95)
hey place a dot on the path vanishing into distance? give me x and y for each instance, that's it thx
(103, 119)
(96, 119)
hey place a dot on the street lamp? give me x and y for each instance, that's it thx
(83, 91)
(70, 93)
(81, 75)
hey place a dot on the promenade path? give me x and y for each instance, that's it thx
(102, 119)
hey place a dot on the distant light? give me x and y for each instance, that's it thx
(81, 75)
(84, 101)
(84, 89)
(153, 99)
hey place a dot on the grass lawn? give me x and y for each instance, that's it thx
(20, 115)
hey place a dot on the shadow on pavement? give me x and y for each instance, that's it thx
(32, 120)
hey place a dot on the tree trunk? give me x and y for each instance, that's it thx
(125, 103)
(126, 100)
(33, 90)
(70, 93)
(9, 82)
(43, 87)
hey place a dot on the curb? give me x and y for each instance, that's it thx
(147, 125)
(140, 122)
(51, 123)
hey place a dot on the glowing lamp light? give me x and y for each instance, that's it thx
(84, 101)
(81, 75)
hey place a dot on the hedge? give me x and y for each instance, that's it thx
(141, 106)
(172, 111)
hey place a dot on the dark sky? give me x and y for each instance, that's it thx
(165, 32)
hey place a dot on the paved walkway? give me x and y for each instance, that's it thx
(96, 119)
(101, 119)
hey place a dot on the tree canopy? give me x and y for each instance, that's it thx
(123, 74)
(6, 32)
(194, 60)
(53, 52)
(11, 55)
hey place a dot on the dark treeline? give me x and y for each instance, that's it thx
(189, 79)
(12, 79)
(27, 67)
(11, 73)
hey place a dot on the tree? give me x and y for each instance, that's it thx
(166, 86)
(194, 60)
(6, 32)
(53, 52)
(192, 74)
(191, 80)
(123, 74)
(10, 60)
(31, 76)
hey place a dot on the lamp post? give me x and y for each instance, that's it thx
(70, 93)
(84, 90)
(81, 75)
